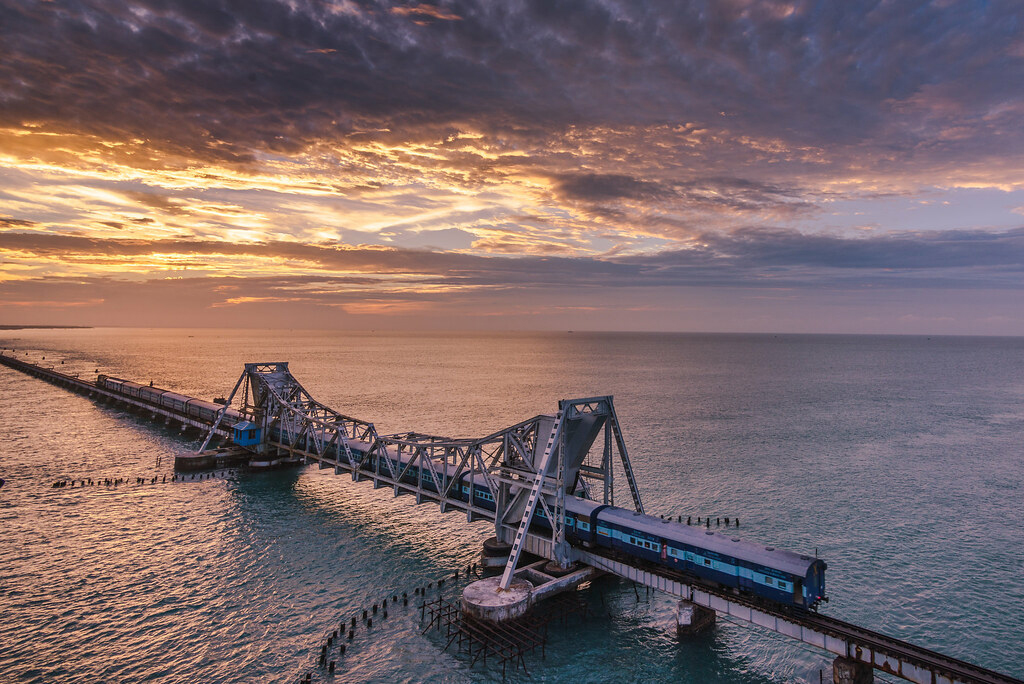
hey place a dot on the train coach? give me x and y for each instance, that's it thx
(722, 559)
(197, 409)
(781, 576)
(174, 401)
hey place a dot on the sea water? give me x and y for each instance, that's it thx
(898, 460)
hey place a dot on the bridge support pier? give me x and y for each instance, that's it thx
(485, 600)
(692, 619)
(495, 554)
(850, 671)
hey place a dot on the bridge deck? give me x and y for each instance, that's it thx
(894, 656)
(83, 387)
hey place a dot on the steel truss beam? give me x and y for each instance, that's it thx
(524, 466)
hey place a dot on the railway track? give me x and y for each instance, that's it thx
(882, 643)
(857, 637)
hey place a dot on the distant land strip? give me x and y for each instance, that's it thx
(45, 327)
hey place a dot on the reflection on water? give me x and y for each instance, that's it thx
(890, 456)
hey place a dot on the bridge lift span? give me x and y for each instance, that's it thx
(529, 464)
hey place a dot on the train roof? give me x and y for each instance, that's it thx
(577, 505)
(213, 406)
(725, 544)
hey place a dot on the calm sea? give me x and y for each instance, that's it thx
(896, 459)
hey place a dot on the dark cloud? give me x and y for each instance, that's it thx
(744, 258)
(597, 187)
(224, 80)
(636, 201)
(902, 251)
(8, 222)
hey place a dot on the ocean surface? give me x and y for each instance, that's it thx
(897, 459)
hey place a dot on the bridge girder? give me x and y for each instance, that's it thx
(507, 462)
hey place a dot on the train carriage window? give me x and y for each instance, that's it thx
(707, 562)
(768, 581)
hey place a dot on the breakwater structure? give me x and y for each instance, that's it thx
(547, 485)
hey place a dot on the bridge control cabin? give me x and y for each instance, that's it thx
(247, 434)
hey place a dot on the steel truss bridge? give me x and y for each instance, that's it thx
(530, 464)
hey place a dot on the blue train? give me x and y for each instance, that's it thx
(721, 559)
(724, 560)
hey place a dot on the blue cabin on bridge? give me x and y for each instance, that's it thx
(247, 434)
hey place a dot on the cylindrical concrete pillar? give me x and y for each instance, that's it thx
(495, 554)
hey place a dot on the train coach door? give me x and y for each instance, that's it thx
(798, 592)
(664, 550)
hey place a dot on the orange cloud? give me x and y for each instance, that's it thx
(55, 304)
(425, 10)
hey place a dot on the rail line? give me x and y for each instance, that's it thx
(886, 653)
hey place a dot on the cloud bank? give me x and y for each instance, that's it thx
(447, 152)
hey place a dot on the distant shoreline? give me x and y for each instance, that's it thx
(45, 327)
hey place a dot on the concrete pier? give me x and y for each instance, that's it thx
(221, 457)
(692, 619)
(850, 671)
(531, 584)
(495, 554)
(485, 600)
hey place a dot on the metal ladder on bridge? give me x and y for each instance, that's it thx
(340, 430)
(626, 467)
(531, 503)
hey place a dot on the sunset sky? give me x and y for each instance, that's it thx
(691, 166)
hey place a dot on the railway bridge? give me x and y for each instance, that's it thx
(513, 477)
